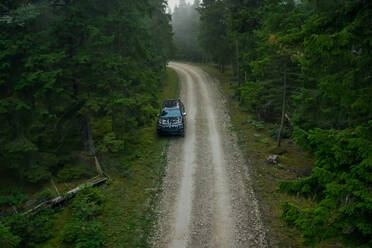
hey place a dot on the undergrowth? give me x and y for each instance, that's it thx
(257, 143)
(127, 215)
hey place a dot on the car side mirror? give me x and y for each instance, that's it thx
(184, 113)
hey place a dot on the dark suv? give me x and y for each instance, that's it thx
(172, 118)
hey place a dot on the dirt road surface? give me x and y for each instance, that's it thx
(207, 198)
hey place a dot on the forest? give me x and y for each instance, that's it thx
(78, 79)
(81, 80)
(304, 66)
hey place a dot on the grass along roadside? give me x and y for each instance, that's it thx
(129, 199)
(128, 215)
(257, 144)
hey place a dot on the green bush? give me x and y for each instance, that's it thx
(84, 230)
(87, 204)
(11, 196)
(70, 231)
(249, 93)
(256, 124)
(70, 172)
(90, 235)
(340, 184)
(286, 132)
(111, 144)
(44, 195)
(7, 239)
(37, 174)
(32, 228)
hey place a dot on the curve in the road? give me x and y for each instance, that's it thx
(184, 199)
(207, 197)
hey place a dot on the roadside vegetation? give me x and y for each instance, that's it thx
(257, 142)
(129, 214)
(80, 81)
(121, 212)
(302, 72)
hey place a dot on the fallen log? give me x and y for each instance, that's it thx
(71, 193)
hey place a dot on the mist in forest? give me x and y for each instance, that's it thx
(174, 3)
(185, 22)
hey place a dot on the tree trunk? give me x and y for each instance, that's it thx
(283, 107)
(98, 166)
(237, 62)
(55, 186)
(86, 134)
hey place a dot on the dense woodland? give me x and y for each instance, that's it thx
(77, 79)
(306, 66)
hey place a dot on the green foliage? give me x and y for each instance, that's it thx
(11, 196)
(76, 77)
(32, 228)
(213, 32)
(72, 172)
(256, 124)
(7, 239)
(65, 67)
(44, 195)
(84, 230)
(249, 93)
(313, 56)
(286, 132)
(340, 184)
(112, 144)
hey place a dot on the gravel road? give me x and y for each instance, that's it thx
(207, 198)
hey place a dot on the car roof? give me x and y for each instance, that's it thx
(170, 109)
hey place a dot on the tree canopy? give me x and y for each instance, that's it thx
(77, 78)
(308, 61)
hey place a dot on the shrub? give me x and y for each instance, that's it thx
(8, 239)
(32, 228)
(249, 93)
(286, 132)
(340, 183)
(44, 195)
(111, 144)
(84, 230)
(11, 196)
(256, 124)
(87, 204)
(70, 172)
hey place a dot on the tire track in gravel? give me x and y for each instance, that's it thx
(183, 205)
(207, 200)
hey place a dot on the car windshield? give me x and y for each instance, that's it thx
(170, 113)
